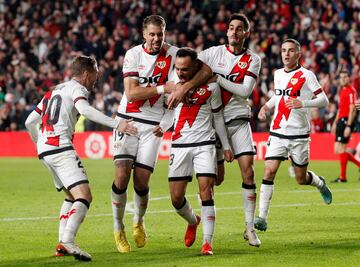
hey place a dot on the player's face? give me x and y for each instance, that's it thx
(154, 37)
(344, 79)
(290, 55)
(185, 68)
(236, 33)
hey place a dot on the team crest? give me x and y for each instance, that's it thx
(294, 81)
(161, 64)
(201, 91)
(242, 65)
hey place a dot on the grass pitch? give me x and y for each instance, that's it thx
(302, 231)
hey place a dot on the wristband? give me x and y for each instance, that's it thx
(348, 125)
(160, 89)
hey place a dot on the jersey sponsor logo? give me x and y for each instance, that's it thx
(158, 77)
(294, 91)
(287, 92)
(236, 75)
(189, 112)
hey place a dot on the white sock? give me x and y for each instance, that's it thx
(249, 199)
(63, 216)
(208, 214)
(266, 192)
(140, 206)
(118, 204)
(76, 215)
(187, 213)
(316, 181)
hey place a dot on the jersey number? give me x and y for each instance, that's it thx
(50, 117)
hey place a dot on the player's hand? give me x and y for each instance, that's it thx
(357, 105)
(176, 96)
(169, 87)
(293, 103)
(157, 131)
(125, 126)
(347, 131)
(228, 155)
(219, 180)
(262, 113)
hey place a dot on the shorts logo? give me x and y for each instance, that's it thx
(242, 65)
(294, 81)
(161, 64)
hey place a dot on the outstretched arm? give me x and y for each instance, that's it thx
(93, 114)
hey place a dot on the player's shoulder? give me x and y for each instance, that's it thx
(253, 55)
(136, 50)
(214, 49)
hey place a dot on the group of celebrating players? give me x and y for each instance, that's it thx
(204, 98)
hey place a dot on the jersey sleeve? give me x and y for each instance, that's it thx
(352, 96)
(80, 93)
(215, 100)
(313, 84)
(130, 65)
(254, 68)
(39, 107)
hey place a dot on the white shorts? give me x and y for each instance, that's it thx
(281, 149)
(183, 160)
(240, 137)
(142, 149)
(66, 168)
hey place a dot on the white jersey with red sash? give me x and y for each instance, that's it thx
(301, 84)
(193, 122)
(233, 67)
(59, 116)
(150, 70)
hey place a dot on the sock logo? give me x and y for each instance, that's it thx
(67, 215)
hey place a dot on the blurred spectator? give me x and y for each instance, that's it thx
(38, 39)
(316, 122)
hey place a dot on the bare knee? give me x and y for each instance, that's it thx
(178, 201)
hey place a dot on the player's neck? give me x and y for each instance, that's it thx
(292, 67)
(79, 81)
(237, 49)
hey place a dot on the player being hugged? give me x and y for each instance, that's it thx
(296, 90)
(193, 148)
(57, 114)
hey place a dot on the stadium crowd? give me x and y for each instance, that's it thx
(38, 40)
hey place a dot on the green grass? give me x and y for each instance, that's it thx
(302, 230)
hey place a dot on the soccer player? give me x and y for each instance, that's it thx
(57, 114)
(146, 69)
(344, 124)
(193, 147)
(237, 69)
(296, 90)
